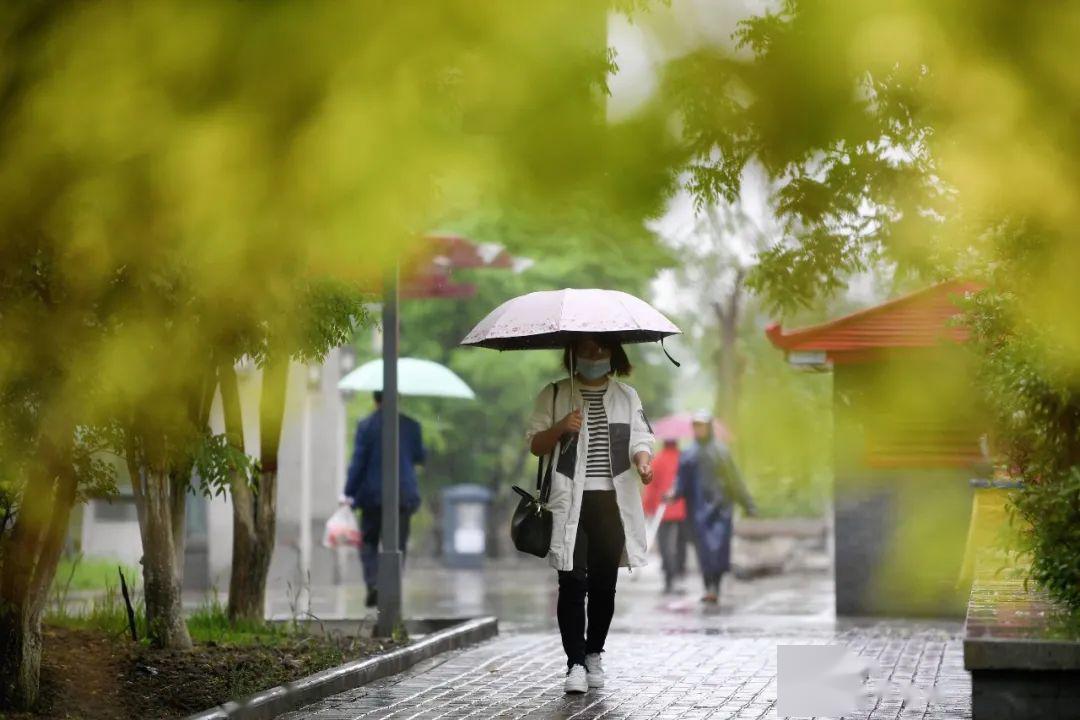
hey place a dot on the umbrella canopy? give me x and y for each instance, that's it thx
(548, 320)
(680, 426)
(415, 377)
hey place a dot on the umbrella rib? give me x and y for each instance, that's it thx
(562, 309)
(619, 299)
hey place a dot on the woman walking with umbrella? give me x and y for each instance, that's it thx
(597, 434)
(605, 448)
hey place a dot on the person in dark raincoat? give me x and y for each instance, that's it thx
(711, 484)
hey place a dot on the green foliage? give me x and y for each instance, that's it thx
(217, 462)
(164, 210)
(1032, 388)
(185, 212)
(1050, 508)
(1030, 385)
(932, 138)
(330, 314)
(855, 177)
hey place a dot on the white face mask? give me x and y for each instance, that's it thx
(592, 369)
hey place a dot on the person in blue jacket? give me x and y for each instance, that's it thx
(711, 484)
(363, 486)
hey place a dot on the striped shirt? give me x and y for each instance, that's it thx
(598, 458)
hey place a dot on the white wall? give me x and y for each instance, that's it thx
(115, 539)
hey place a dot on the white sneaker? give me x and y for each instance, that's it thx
(594, 670)
(575, 680)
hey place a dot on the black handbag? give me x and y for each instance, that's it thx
(530, 528)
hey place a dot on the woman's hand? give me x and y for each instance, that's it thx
(571, 423)
(643, 463)
(544, 441)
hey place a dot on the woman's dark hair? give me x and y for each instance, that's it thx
(620, 364)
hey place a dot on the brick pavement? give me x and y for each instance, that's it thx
(668, 657)
(719, 673)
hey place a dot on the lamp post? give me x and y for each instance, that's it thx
(389, 576)
(456, 252)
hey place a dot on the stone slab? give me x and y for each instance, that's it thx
(1010, 627)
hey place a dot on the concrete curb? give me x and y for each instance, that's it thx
(268, 704)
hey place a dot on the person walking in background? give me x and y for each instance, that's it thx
(363, 487)
(711, 484)
(598, 523)
(673, 534)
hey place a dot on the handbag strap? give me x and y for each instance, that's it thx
(543, 480)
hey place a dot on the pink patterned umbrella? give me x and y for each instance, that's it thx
(550, 318)
(680, 426)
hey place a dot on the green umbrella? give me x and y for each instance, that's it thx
(415, 377)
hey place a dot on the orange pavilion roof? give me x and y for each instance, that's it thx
(919, 320)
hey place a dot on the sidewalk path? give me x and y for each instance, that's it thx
(667, 658)
(659, 676)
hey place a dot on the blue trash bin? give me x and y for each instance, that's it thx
(465, 511)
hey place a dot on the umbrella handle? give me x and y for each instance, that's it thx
(573, 395)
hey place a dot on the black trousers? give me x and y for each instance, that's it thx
(597, 551)
(371, 532)
(673, 537)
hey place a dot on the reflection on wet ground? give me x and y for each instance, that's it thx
(522, 596)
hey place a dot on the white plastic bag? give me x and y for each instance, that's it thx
(342, 529)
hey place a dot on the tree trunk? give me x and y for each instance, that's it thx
(254, 507)
(160, 480)
(155, 500)
(29, 556)
(727, 315)
(20, 654)
(179, 486)
(253, 547)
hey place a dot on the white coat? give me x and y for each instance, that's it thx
(628, 433)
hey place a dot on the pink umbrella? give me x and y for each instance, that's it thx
(549, 319)
(680, 426)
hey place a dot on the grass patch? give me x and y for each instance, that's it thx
(210, 624)
(77, 572)
(106, 613)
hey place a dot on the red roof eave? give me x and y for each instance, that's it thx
(918, 320)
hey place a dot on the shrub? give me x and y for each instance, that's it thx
(1051, 509)
(1032, 385)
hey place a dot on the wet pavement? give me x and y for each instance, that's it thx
(667, 656)
(523, 595)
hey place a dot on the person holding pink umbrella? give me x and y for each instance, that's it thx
(599, 441)
(604, 448)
